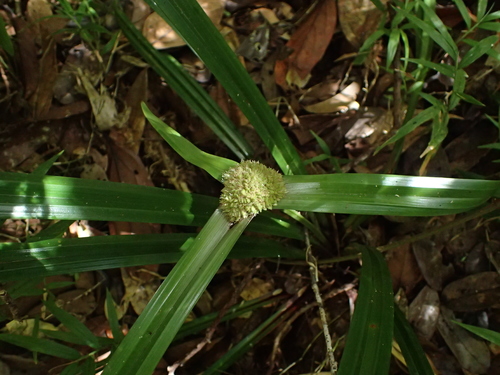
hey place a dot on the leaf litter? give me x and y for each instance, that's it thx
(78, 88)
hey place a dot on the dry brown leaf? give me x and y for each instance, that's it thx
(473, 293)
(472, 353)
(135, 96)
(138, 292)
(430, 261)
(161, 35)
(358, 19)
(309, 43)
(403, 268)
(423, 312)
(341, 102)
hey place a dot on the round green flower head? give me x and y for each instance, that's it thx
(250, 188)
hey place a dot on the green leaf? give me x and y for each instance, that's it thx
(367, 46)
(469, 99)
(369, 340)
(114, 324)
(491, 16)
(443, 40)
(439, 131)
(491, 26)
(71, 255)
(74, 325)
(481, 8)
(371, 194)
(187, 88)
(477, 51)
(410, 347)
(445, 69)
(5, 41)
(415, 122)
(462, 8)
(152, 333)
(24, 196)
(484, 333)
(214, 165)
(41, 346)
(189, 20)
(392, 46)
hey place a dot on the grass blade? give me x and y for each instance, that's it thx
(150, 336)
(76, 327)
(24, 196)
(371, 194)
(415, 122)
(214, 165)
(44, 346)
(71, 255)
(478, 50)
(368, 346)
(412, 350)
(188, 19)
(187, 88)
(484, 333)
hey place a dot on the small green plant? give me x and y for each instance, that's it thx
(198, 256)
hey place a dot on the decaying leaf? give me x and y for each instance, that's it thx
(424, 312)
(161, 35)
(472, 353)
(430, 261)
(103, 106)
(341, 102)
(309, 43)
(473, 293)
(358, 19)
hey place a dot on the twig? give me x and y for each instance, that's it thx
(313, 270)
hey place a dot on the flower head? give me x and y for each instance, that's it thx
(249, 188)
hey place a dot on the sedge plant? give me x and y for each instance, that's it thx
(249, 189)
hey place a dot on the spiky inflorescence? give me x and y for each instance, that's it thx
(250, 188)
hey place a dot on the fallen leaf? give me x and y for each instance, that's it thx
(472, 353)
(103, 106)
(473, 293)
(430, 261)
(423, 312)
(161, 35)
(135, 96)
(358, 19)
(309, 43)
(403, 268)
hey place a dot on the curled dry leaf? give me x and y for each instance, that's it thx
(341, 102)
(161, 35)
(309, 43)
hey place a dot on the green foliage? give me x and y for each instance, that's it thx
(199, 256)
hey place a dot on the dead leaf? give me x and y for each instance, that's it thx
(103, 106)
(403, 268)
(161, 35)
(358, 19)
(430, 261)
(472, 353)
(309, 43)
(341, 102)
(138, 292)
(423, 312)
(255, 288)
(135, 96)
(473, 293)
